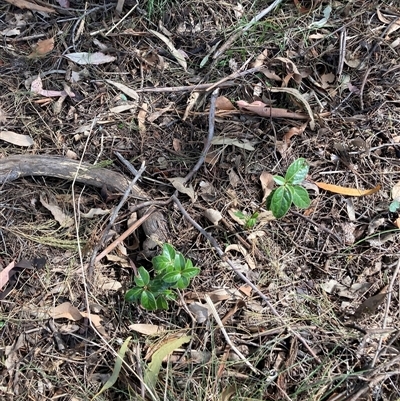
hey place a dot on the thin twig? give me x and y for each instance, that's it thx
(211, 128)
(128, 232)
(113, 217)
(237, 34)
(319, 226)
(223, 256)
(388, 299)
(227, 338)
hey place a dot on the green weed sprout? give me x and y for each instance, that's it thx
(249, 221)
(289, 190)
(171, 271)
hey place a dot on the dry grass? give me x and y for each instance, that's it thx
(333, 357)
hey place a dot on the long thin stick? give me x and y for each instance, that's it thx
(211, 127)
(227, 338)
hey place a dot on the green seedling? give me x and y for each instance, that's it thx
(249, 221)
(171, 271)
(289, 190)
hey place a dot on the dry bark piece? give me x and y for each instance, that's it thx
(14, 167)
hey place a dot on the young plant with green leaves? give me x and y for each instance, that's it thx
(171, 271)
(249, 221)
(289, 190)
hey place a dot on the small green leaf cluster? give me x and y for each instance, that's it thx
(289, 190)
(249, 221)
(171, 271)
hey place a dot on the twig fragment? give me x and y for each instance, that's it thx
(228, 340)
(211, 128)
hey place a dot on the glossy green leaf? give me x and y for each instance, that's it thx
(190, 272)
(300, 196)
(161, 263)
(281, 201)
(182, 283)
(169, 252)
(148, 301)
(269, 199)
(297, 171)
(143, 277)
(172, 278)
(179, 262)
(162, 303)
(279, 180)
(133, 294)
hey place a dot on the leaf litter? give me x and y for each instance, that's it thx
(331, 83)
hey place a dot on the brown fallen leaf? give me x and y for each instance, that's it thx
(63, 219)
(65, 311)
(142, 118)
(147, 329)
(294, 131)
(370, 305)
(30, 6)
(4, 274)
(347, 191)
(16, 139)
(267, 184)
(223, 103)
(264, 110)
(42, 48)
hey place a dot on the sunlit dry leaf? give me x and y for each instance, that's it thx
(42, 48)
(95, 212)
(191, 102)
(294, 131)
(85, 58)
(16, 139)
(177, 144)
(246, 289)
(168, 346)
(347, 191)
(157, 114)
(30, 6)
(10, 32)
(200, 311)
(223, 103)
(65, 311)
(178, 183)
(142, 118)
(271, 74)
(71, 155)
(327, 80)
(213, 215)
(396, 192)
(124, 89)
(176, 53)
(243, 251)
(5, 273)
(123, 107)
(259, 61)
(147, 329)
(37, 87)
(222, 140)
(264, 110)
(63, 219)
(234, 179)
(381, 17)
(267, 184)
